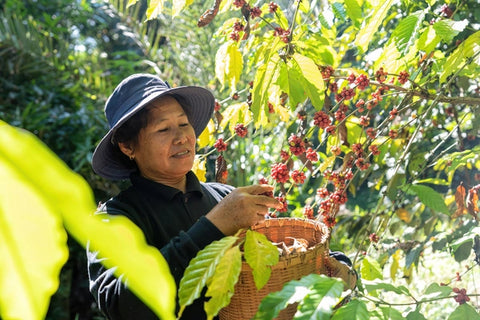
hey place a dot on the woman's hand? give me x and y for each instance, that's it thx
(242, 208)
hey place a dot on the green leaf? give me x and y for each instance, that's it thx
(430, 198)
(324, 22)
(428, 40)
(435, 181)
(264, 78)
(413, 256)
(29, 167)
(200, 270)
(221, 287)
(416, 315)
(370, 269)
(313, 80)
(463, 251)
(391, 313)
(323, 296)
(354, 11)
(260, 253)
(292, 292)
(289, 81)
(365, 35)
(353, 310)
(448, 29)
(436, 291)
(467, 49)
(339, 11)
(406, 31)
(463, 312)
(379, 285)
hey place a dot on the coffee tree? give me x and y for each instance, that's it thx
(364, 115)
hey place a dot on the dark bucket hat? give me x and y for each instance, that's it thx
(130, 96)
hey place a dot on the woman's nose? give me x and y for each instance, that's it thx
(180, 136)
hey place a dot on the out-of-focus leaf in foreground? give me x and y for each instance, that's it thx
(41, 197)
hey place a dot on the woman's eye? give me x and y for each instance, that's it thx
(184, 124)
(163, 130)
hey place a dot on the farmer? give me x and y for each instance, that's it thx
(151, 141)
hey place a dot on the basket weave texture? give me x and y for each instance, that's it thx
(246, 299)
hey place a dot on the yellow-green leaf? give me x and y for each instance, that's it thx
(207, 136)
(260, 253)
(200, 169)
(367, 32)
(61, 196)
(467, 49)
(228, 65)
(200, 270)
(235, 113)
(155, 8)
(394, 267)
(33, 246)
(265, 77)
(131, 3)
(370, 269)
(221, 63)
(179, 5)
(313, 80)
(221, 287)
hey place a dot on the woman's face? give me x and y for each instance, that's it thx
(165, 149)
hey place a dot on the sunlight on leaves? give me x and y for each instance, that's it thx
(324, 295)
(370, 269)
(260, 254)
(463, 312)
(58, 192)
(367, 32)
(223, 282)
(200, 270)
(354, 310)
(33, 246)
(155, 8)
(199, 168)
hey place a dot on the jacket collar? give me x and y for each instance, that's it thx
(156, 189)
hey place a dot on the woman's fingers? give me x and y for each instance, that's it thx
(260, 192)
(257, 189)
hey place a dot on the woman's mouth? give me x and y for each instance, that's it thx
(182, 153)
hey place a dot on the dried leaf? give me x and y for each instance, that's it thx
(208, 15)
(221, 173)
(460, 201)
(343, 134)
(472, 200)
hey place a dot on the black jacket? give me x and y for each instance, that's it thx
(173, 222)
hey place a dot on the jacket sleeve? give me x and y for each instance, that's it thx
(112, 295)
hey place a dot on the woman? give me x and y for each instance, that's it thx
(151, 141)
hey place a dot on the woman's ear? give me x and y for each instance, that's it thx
(127, 149)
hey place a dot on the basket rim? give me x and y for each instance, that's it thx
(300, 256)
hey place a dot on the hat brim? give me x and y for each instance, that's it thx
(198, 104)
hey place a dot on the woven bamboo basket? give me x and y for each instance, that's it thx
(246, 299)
